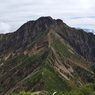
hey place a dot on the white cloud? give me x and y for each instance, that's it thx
(4, 27)
(16, 12)
(82, 22)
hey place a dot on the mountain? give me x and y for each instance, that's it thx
(46, 54)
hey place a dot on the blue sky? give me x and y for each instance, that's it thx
(13, 13)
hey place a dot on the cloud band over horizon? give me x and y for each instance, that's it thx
(13, 13)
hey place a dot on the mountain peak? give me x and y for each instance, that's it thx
(49, 19)
(45, 21)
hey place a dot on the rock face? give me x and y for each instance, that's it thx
(46, 54)
(82, 42)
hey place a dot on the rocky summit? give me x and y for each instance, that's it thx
(46, 54)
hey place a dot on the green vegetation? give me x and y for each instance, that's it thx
(38, 40)
(48, 79)
(63, 49)
(52, 80)
(16, 59)
(34, 80)
(29, 61)
(86, 75)
(88, 89)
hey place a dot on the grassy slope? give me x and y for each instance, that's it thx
(83, 67)
(47, 77)
(62, 48)
(52, 79)
(88, 89)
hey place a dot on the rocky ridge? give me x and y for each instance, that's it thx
(46, 54)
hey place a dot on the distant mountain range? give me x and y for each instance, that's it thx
(46, 54)
(87, 30)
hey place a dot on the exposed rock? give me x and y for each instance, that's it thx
(46, 54)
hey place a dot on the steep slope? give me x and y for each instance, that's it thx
(46, 54)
